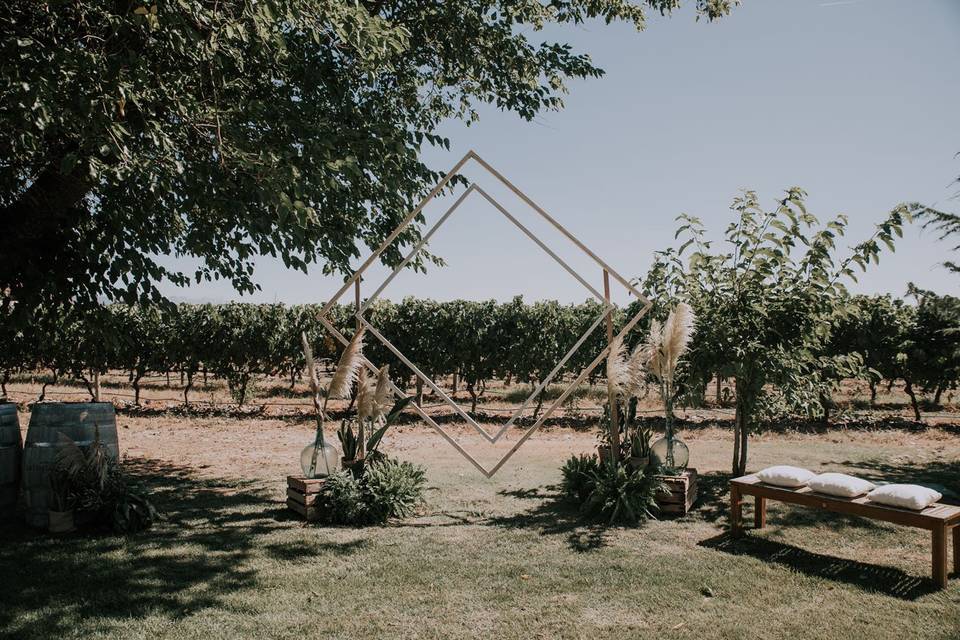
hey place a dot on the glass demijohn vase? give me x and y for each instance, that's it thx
(328, 459)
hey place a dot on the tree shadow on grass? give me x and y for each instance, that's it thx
(189, 561)
(553, 515)
(869, 577)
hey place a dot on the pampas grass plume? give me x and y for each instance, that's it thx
(347, 368)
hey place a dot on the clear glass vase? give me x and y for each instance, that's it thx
(671, 453)
(328, 460)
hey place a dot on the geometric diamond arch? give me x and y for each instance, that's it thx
(604, 298)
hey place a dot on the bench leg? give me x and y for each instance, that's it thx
(760, 513)
(736, 512)
(940, 556)
(956, 550)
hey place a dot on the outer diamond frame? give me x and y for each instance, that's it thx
(607, 309)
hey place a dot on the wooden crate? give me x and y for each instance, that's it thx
(683, 492)
(302, 495)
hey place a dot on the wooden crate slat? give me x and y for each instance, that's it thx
(305, 485)
(683, 492)
(303, 498)
(310, 513)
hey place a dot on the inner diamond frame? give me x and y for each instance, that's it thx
(605, 312)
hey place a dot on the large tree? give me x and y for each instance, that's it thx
(766, 300)
(226, 129)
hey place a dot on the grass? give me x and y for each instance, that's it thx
(494, 558)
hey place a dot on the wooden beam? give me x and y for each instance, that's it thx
(611, 392)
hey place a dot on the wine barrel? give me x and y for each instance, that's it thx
(78, 421)
(11, 449)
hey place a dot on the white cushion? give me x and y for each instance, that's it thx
(785, 476)
(907, 496)
(840, 484)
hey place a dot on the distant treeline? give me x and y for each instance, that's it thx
(474, 342)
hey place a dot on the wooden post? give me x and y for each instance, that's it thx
(940, 556)
(736, 512)
(611, 394)
(356, 297)
(760, 513)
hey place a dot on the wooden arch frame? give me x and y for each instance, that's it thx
(608, 307)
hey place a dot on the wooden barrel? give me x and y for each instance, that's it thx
(79, 421)
(11, 449)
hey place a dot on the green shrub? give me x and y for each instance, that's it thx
(387, 489)
(342, 500)
(578, 474)
(622, 495)
(394, 489)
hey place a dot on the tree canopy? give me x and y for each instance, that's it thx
(766, 300)
(225, 129)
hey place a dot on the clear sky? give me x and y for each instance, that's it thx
(856, 101)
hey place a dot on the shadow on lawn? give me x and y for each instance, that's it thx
(869, 577)
(552, 515)
(186, 563)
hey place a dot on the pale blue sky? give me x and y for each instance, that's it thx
(856, 101)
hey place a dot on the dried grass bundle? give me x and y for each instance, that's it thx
(665, 344)
(347, 368)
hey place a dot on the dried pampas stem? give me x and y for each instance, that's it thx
(382, 394)
(347, 368)
(366, 408)
(618, 373)
(676, 336)
(311, 366)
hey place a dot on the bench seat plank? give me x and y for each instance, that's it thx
(934, 516)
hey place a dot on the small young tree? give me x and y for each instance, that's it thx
(930, 352)
(765, 304)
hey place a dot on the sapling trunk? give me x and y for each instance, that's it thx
(908, 387)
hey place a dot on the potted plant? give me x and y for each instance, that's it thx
(60, 507)
(640, 447)
(658, 356)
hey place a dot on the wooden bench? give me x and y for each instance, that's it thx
(939, 519)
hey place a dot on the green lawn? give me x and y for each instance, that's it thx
(493, 558)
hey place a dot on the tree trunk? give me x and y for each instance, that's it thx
(136, 390)
(456, 380)
(473, 396)
(40, 226)
(825, 405)
(908, 387)
(873, 393)
(187, 388)
(936, 395)
(741, 428)
(719, 391)
(3, 383)
(419, 398)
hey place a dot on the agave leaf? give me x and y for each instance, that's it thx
(398, 408)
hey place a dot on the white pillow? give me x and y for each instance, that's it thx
(907, 496)
(840, 484)
(785, 476)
